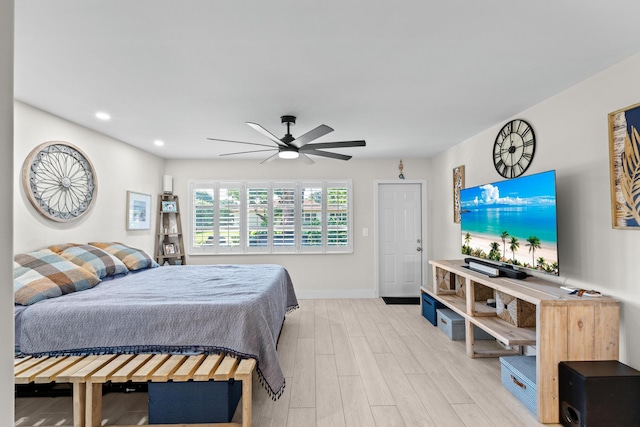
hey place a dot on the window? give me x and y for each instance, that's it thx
(229, 224)
(258, 217)
(284, 217)
(203, 214)
(337, 216)
(311, 198)
(270, 217)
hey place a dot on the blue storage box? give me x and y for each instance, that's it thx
(518, 375)
(452, 324)
(429, 307)
(193, 402)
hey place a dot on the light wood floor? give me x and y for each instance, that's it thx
(350, 363)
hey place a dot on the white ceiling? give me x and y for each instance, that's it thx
(411, 77)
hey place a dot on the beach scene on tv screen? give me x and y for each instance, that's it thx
(512, 221)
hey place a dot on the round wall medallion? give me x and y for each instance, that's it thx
(59, 181)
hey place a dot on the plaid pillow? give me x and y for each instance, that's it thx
(134, 259)
(43, 274)
(97, 261)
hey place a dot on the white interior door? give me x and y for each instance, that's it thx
(400, 239)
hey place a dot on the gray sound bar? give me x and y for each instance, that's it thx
(494, 269)
(483, 268)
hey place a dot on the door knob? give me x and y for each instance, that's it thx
(418, 249)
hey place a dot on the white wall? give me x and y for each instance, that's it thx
(6, 225)
(321, 276)
(572, 138)
(119, 167)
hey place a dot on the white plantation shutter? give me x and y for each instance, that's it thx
(258, 217)
(202, 208)
(311, 225)
(271, 217)
(229, 217)
(338, 216)
(284, 217)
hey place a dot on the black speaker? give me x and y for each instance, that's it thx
(599, 393)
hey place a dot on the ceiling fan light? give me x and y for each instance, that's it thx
(288, 154)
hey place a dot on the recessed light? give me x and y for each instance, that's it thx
(103, 116)
(158, 143)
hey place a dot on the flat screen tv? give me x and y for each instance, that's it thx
(512, 222)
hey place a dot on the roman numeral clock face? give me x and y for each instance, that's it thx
(514, 148)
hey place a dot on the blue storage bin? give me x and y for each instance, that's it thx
(193, 402)
(518, 375)
(452, 324)
(429, 307)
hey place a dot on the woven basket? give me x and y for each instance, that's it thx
(461, 286)
(481, 292)
(515, 311)
(445, 279)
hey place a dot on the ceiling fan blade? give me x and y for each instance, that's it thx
(238, 142)
(308, 160)
(338, 144)
(270, 159)
(327, 154)
(247, 152)
(266, 133)
(311, 135)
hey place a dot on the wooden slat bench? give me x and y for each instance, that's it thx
(64, 370)
(87, 374)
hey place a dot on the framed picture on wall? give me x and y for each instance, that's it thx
(624, 167)
(458, 184)
(138, 211)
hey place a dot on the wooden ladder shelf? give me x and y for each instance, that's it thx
(169, 242)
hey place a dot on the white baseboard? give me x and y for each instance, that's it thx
(336, 294)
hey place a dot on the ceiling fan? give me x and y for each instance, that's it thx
(289, 147)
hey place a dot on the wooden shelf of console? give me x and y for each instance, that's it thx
(567, 327)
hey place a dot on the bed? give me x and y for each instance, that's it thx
(191, 309)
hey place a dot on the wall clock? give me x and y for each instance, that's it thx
(514, 148)
(59, 181)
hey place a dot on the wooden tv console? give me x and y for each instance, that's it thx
(567, 327)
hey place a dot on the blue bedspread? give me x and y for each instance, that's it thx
(234, 309)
